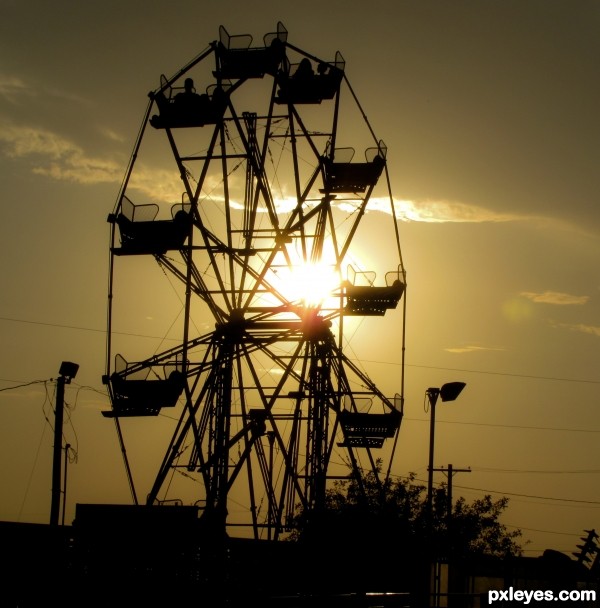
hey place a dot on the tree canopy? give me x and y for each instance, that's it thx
(371, 513)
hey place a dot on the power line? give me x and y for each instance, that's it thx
(62, 326)
(531, 376)
(536, 471)
(509, 426)
(12, 388)
(577, 534)
(453, 369)
(79, 328)
(568, 500)
(486, 491)
(86, 387)
(479, 371)
(519, 495)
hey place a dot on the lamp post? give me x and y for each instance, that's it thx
(448, 392)
(67, 372)
(64, 492)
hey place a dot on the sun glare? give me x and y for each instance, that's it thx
(312, 283)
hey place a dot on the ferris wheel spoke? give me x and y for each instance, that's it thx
(255, 167)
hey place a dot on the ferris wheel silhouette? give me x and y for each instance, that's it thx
(268, 407)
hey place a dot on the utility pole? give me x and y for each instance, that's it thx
(67, 372)
(64, 491)
(450, 472)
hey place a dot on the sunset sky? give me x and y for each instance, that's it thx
(490, 113)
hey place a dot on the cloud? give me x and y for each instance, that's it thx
(593, 330)
(412, 211)
(56, 156)
(158, 184)
(81, 169)
(555, 297)
(439, 211)
(60, 158)
(12, 87)
(26, 141)
(112, 135)
(469, 349)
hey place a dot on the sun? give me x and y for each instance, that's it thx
(312, 284)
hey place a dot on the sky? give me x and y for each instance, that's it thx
(489, 110)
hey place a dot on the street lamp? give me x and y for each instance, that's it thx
(68, 371)
(449, 392)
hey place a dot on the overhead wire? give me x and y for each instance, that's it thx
(552, 498)
(37, 453)
(510, 426)
(465, 370)
(536, 471)
(491, 373)
(12, 388)
(562, 502)
(574, 501)
(457, 422)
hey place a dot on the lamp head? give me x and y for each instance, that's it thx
(451, 390)
(68, 369)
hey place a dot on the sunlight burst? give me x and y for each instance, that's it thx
(312, 283)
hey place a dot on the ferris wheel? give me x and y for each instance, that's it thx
(267, 407)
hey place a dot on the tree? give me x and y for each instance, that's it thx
(475, 529)
(375, 514)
